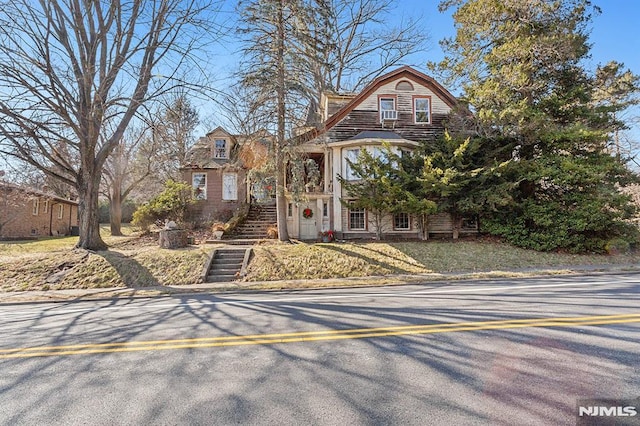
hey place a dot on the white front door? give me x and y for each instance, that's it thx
(308, 217)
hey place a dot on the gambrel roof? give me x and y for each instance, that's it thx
(405, 73)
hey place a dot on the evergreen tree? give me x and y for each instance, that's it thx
(278, 42)
(539, 110)
(380, 184)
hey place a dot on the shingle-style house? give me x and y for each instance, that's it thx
(401, 108)
(26, 212)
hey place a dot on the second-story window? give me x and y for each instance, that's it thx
(422, 110)
(388, 109)
(220, 150)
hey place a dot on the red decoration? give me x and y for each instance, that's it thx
(307, 213)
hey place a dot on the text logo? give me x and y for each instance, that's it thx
(619, 412)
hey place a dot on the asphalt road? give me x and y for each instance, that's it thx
(491, 352)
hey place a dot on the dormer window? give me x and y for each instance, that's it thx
(388, 108)
(422, 109)
(220, 148)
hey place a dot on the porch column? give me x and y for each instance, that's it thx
(327, 170)
(337, 189)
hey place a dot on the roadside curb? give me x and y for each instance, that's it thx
(76, 295)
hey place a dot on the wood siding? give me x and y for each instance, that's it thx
(365, 116)
(358, 121)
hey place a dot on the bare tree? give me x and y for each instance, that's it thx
(173, 126)
(68, 67)
(274, 74)
(128, 166)
(360, 45)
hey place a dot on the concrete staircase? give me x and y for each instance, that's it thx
(226, 264)
(260, 217)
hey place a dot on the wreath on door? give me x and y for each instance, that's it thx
(307, 213)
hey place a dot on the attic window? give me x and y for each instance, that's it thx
(220, 150)
(404, 86)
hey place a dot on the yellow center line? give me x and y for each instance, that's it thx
(312, 336)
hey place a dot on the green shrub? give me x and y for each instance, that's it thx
(572, 227)
(617, 246)
(170, 204)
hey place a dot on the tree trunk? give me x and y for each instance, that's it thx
(88, 186)
(424, 226)
(281, 199)
(456, 219)
(378, 218)
(115, 210)
(115, 216)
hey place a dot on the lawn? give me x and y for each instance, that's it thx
(341, 260)
(131, 261)
(137, 262)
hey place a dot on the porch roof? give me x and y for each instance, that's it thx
(375, 134)
(375, 137)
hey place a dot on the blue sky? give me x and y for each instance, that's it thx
(615, 32)
(615, 36)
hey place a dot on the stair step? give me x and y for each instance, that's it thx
(227, 261)
(224, 272)
(220, 278)
(237, 261)
(230, 256)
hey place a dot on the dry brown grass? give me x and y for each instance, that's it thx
(131, 261)
(135, 262)
(337, 260)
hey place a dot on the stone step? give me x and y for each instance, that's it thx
(220, 278)
(228, 262)
(229, 252)
(229, 256)
(224, 272)
(242, 241)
